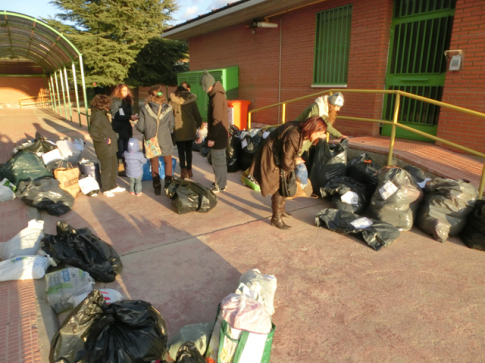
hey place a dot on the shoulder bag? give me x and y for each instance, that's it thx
(152, 149)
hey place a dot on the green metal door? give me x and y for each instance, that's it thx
(420, 33)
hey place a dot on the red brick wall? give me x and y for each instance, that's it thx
(257, 56)
(466, 88)
(14, 88)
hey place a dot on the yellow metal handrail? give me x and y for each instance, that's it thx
(33, 103)
(394, 123)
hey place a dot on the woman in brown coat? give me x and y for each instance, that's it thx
(187, 120)
(280, 151)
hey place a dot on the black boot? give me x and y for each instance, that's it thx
(278, 206)
(168, 180)
(157, 186)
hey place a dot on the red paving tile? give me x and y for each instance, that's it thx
(233, 249)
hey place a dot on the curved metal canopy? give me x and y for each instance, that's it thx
(24, 36)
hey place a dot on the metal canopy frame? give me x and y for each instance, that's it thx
(22, 36)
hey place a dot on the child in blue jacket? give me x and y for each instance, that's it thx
(134, 160)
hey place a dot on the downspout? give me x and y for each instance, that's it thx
(279, 70)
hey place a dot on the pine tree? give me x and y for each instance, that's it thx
(158, 63)
(111, 33)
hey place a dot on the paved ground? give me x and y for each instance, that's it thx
(337, 299)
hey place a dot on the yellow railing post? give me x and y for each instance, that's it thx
(283, 114)
(249, 120)
(482, 182)
(393, 130)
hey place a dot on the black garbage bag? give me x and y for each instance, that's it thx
(128, 331)
(376, 234)
(364, 170)
(203, 148)
(232, 151)
(329, 161)
(396, 199)
(347, 194)
(195, 146)
(473, 235)
(40, 145)
(24, 166)
(82, 249)
(45, 193)
(188, 353)
(446, 205)
(188, 196)
(251, 141)
(418, 175)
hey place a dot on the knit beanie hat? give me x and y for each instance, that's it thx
(337, 99)
(207, 81)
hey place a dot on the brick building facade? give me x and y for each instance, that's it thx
(277, 64)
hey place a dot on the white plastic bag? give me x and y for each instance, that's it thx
(24, 268)
(51, 156)
(262, 286)
(63, 286)
(89, 186)
(24, 243)
(7, 190)
(244, 313)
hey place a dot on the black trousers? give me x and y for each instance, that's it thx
(109, 171)
(122, 147)
(185, 154)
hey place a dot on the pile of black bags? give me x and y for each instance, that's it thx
(80, 248)
(347, 194)
(473, 235)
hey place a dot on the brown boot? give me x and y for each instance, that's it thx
(121, 169)
(278, 206)
(189, 173)
(183, 173)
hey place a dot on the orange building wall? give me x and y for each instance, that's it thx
(14, 88)
(466, 88)
(257, 56)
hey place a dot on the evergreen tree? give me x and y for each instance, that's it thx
(158, 63)
(110, 33)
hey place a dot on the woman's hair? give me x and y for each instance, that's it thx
(181, 88)
(185, 85)
(155, 94)
(313, 124)
(117, 93)
(101, 102)
(332, 113)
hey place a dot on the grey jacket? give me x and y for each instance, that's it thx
(147, 125)
(134, 159)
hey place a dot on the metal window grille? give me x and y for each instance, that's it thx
(413, 7)
(332, 44)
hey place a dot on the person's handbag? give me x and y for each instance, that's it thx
(288, 185)
(69, 179)
(152, 149)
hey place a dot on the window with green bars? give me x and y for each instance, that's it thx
(332, 44)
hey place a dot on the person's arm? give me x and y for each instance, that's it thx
(115, 112)
(333, 131)
(197, 116)
(171, 120)
(290, 150)
(96, 132)
(140, 125)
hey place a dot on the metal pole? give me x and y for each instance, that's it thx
(57, 92)
(68, 95)
(53, 94)
(393, 130)
(63, 92)
(283, 118)
(77, 96)
(84, 89)
(249, 120)
(482, 182)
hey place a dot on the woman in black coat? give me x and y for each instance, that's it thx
(121, 114)
(156, 107)
(105, 146)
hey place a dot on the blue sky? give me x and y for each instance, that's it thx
(188, 9)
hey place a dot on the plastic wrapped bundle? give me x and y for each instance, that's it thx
(128, 331)
(396, 199)
(81, 249)
(364, 170)
(39, 146)
(329, 161)
(24, 166)
(46, 193)
(347, 194)
(473, 235)
(188, 196)
(376, 234)
(445, 208)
